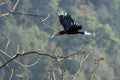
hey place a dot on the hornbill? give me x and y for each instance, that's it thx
(69, 25)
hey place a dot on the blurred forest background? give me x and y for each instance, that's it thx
(100, 16)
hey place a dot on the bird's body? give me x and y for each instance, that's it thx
(69, 25)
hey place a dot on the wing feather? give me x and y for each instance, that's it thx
(67, 21)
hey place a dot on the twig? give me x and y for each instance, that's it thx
(7, 13)
(12, 71)
(46, 17)
(53, 73)
(15, 6)
(27, 14)
(34, 52)
(21, 76)
(54, 52)
(78, 50)
(93, 72)
(18, 47)
(6, 47)
(57, 47)
(82, 59)
(4, 14)
(61, 69)
(54, 78)
(98, 62)
(8, 42)
(16, 56)
(48, 77)
(11, 59)
(3, 59)
(86, 56)
(4, 2)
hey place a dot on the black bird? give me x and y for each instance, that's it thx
(69, 25)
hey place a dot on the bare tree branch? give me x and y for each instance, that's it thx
(82, 59)
(37, 16)
(98, 62)
(17, 55)
(86, 56)
(23, 75)
(46, 17)
(6, 47)
(8, 42)
(12, 71)
(58, 58)
(61, 70)
(78, 50)
(14, 7)
(48, 77)
(56, 47)
(18, 47)
(36, 52)
(54, 77)
(4, 2)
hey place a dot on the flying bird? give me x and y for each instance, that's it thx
(69, 25)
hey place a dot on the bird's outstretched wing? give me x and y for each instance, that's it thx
(67, 22)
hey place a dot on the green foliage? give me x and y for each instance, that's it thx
(101, 16)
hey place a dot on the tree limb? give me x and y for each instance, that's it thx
(7, 13)
(37, 16)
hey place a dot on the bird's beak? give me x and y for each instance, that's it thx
(90, 33)
(87, 33)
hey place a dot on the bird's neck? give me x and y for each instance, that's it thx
(81, 32)
(62, 32)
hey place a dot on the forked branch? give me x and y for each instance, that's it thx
(7, 13)
(37, 16)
